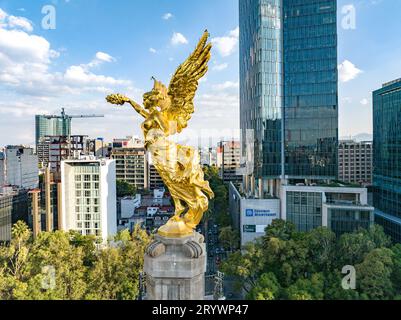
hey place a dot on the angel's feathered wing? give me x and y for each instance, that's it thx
(184, 83)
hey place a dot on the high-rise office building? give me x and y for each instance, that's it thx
(289, 119)
(355, 162)
(52, 126)
(387, 157)
(131, 161)
(288, 91)
(19, 167)
(89, 203)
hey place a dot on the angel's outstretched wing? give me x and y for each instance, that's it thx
(184, 83)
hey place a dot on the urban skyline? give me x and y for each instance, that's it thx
(77, 79)
(293, 191)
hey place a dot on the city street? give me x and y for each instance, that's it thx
(215, 256)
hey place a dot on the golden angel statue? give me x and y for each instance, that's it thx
(167, 112)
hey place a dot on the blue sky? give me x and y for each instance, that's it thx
(104, 46)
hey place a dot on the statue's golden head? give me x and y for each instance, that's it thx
(158, 97)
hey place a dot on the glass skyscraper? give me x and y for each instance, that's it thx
(52, 126)
(387, 157)
(288, 91)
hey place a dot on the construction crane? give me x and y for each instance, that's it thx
(81, 115)
(65, 116)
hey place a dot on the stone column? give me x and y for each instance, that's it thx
(175, 268)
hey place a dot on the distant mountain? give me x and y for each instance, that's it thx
(359, 137)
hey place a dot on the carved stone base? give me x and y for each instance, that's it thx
(175, 268)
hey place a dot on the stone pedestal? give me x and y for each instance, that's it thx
(175, 268)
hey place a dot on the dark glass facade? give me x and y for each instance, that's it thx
(387, 154)
(310, 88)
(343, 220)
(288, 91)
(304, 209)
(51, 126)
(261, 81)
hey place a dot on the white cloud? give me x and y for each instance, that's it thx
(25, 60)
(228, 44)
(152, 50)
(100, 58)
(178, 38)
(3, 15)
(220, 67)
(348, 71)
(167, 16)
(14, 22)
(235, 33)
(105, 57)
(226, 85)
(76, 75)
(364, 102)
(20, 22)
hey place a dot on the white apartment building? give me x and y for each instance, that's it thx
(89, 197)
(19, 167)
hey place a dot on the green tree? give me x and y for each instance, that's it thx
(307, 289)
(396, 273)
(267, 288)
(14, 264)
(280, 229)
(229, 238)
(353, 247)
(333, 287)
(115, 276)
(321, 244)
(124, 189)
(246, 267)
(374, 275)
(287, 259)
(55, 251)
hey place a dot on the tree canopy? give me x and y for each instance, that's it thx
(69, 266)
(285, 264)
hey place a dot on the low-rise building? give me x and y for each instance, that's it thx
(251, 216)
(129, 205)
(337, 206)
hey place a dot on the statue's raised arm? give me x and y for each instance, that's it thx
(119, 99)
